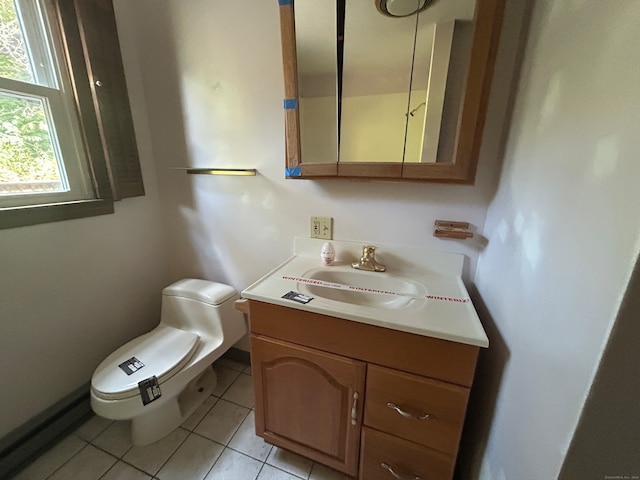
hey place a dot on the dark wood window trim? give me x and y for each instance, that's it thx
(90, 40)
(53, 212)
(108, 102)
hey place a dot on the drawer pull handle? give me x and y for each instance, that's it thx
(397, 476)
(406, 414)
(354, 409)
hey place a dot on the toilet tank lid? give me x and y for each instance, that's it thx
(213, 293)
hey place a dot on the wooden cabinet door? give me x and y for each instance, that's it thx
(308, 401)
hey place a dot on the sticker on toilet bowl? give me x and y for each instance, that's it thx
(149, 390)
(131, 366)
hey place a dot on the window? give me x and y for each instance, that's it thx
(67, 145)
(41, 159)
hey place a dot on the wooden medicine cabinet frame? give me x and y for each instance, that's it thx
(470, 125)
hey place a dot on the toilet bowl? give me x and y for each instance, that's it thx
(158, 380)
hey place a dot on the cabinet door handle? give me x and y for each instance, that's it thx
(354, 409)
(397, 476)
(406, 414)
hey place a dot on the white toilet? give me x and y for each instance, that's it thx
(158, 379)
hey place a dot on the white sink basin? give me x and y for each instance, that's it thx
(358, 287)
(421, 292)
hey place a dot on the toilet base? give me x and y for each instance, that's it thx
(151, 427)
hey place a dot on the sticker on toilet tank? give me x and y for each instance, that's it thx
(149, 390)
(297, 297)
(131, 366)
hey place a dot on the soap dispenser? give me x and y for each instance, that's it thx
(327, 254)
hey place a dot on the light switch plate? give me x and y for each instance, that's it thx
(321, 227)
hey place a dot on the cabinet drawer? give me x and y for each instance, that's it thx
(383, 455)
(425, 411)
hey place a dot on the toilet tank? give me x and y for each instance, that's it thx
(203, 307)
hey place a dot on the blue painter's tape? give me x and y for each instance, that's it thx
(293, 172)
(290, 103)
(285, 2)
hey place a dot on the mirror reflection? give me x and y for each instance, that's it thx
(317, 60)
(377, 88)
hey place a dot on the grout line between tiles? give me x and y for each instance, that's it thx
(205, 415)
(287, 472)
(238, 427)
(214, 463)
(95, 436)
(107, 451)
(68, 460)
(236, 404)
(247, 455)
(118, 459)
(109, 469)
(174, 452)
(260, 471)
(207, 438)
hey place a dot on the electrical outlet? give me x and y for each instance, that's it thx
(321, 227)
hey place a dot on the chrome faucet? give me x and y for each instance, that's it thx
(368, 261)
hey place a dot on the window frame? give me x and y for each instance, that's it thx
(52, 86)
(113, 164)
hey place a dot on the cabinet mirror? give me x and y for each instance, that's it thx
(370, 95)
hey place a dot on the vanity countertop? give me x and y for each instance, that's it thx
(436, 303)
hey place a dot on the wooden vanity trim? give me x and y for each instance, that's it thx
(440, 359)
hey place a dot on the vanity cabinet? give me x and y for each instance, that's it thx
(372, 402)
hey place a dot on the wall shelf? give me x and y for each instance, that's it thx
(218, 171)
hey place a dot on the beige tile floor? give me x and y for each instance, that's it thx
(216, 443)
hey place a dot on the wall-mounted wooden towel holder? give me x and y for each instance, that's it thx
(449, 229)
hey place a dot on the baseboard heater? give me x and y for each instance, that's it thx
(26, 443)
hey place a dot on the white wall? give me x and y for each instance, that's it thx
(212, 78)
(71, 292)
(563, 229)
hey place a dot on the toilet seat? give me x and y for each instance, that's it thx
(162, 353)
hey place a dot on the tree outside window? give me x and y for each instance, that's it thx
(27, 158)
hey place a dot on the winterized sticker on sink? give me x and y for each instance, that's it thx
(297, 297)
(339, 286)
